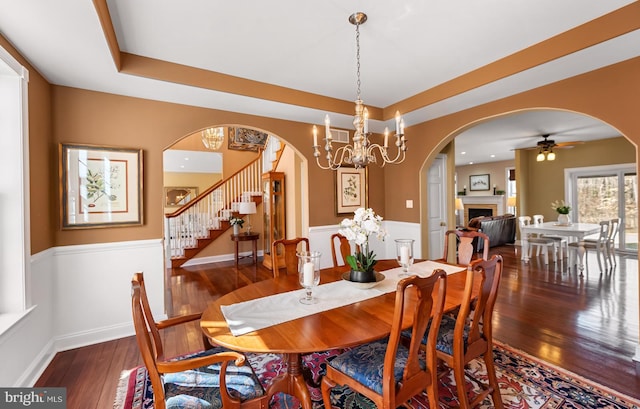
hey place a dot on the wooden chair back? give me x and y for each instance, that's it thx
(473, 331)
(415, 301)
(150, 345)
(290, 247)
(465, 249)
(343, 246)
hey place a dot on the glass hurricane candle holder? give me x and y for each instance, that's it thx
(404, 255)
(309, 274)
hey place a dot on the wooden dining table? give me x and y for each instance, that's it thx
(342, 327)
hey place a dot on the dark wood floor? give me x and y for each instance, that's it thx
(587, 325)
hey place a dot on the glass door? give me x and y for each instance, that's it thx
(607, 192)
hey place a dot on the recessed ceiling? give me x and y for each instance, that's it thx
(409, 49)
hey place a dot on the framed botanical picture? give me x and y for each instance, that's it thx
(351, 189)
(246, 139)
(176, 196)
(479, 182)
(100, 186)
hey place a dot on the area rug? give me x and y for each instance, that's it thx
(525, 382)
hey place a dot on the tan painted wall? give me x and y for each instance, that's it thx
(497, 175)
(546, 179)
(179, 179)
(610, 94)
(62, 114)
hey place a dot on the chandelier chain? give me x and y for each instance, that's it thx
(362, 151)
(358, 57)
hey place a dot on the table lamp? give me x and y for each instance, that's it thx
(459, 206)
(511, 203)
(247, 208)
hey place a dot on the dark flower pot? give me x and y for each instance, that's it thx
(362, 276)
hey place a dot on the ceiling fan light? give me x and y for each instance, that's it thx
(551, 156)
(540, 157)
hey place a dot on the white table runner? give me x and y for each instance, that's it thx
(248, 316)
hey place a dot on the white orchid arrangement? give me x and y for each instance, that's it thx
(364, 224)
(561, 207)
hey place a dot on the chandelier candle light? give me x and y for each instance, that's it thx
(362, 152)
(212, 138)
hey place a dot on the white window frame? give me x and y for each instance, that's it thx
(15, 242)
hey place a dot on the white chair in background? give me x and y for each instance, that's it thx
(599, 245)
(537, 241)
(614, 227)
(561, 242)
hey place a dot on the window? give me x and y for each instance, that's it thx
(14, 187)
(606, 192)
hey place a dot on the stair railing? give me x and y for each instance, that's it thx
(210, 209)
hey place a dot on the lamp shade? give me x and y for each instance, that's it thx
(459, 204)
(511, 201)
(247, 207)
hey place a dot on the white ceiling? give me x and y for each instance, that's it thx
(407, 47)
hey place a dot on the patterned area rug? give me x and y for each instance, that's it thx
(525, 382)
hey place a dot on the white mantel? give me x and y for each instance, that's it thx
(495, 202)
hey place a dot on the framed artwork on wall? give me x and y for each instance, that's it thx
(479, 182)
(351, 189)
(246, 139)
(100, 186)
(176, 196)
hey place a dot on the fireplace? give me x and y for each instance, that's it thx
(477, 212)
(474, 206)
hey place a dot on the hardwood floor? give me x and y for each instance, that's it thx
(587, 325)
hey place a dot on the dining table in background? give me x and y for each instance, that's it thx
(577, 231)
(341, 327)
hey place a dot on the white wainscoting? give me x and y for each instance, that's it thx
(81, 295)
(320, 240)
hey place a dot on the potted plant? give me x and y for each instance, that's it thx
(364, 223)
(563, 210)
(237, 223)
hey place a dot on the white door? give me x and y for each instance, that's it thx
(437, 210)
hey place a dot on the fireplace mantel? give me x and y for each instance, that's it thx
(495, 202)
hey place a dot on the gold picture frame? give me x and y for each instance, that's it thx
(246, 139)
(351, 189)
(100, 186)
(176, 196)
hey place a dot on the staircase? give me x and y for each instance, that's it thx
(198, 223)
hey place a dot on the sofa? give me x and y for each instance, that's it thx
(500, 229)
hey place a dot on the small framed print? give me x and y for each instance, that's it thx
(479, 182)
(177, 196)
(246, 139)
(100, 186)
(351, 189)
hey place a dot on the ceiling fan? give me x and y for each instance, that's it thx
(545, 147)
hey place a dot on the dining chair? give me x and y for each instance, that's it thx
(343, 246)
(599, 244)
(386, 371)
(138, 277)
(216, 376)
(465, 248)
(290, 248)
(562, 243)
(614, 226)
(469, 334)
(536, 241)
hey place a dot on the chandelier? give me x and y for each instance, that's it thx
(362, 151)
(212, 138)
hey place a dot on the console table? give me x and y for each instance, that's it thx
(253, 237)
